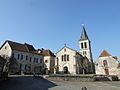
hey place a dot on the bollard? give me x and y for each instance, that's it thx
(84, 88)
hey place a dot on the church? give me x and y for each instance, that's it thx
(70, 61)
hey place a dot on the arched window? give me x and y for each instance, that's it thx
(81, 45)
(85, 45)
(105, 63)
(18, 56)
(21, 57)
(67, 57)
(64, 57)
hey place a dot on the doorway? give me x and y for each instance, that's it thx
(65, 70)
(106, 71)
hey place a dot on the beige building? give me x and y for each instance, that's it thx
(74, 62)
(49, 61)
(107, 64)
(66, 61)
(26, 57)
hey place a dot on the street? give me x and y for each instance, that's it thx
(26, 83)
(37, 83)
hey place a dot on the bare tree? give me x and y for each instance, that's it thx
(83, 65)
(10, 64)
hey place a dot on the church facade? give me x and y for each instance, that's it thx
(70, 61)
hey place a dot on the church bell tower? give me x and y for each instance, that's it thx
(85, 47)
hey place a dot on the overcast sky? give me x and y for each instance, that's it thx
(52, 23)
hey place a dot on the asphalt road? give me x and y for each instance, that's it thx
(90, 85)
(37, 83)
(26, 83)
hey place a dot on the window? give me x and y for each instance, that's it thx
(5, 47)
(81, 45)
(13, 55)
(26, 67)
(65, 50)
(20, 66)
(26, 57)
(85, 45)
(62, 57)
(34, 59)
(85, 53)
(18, 56)
(105, 63)
(21, 57)
(40, 60)
(30, 59)
(46, 61)
(57, 61)
(67, 57)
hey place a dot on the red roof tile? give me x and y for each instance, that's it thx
(104, 54)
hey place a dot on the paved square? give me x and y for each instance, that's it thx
(37, 83)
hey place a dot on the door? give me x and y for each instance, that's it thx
(106, 71)
(65, 70)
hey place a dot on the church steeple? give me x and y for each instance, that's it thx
(84, 35)
(85, 47)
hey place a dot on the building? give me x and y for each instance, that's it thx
(71, 61)
(85, 49)
(107, 64)
(25, 56)
(49, 61)
(66, 60)
(2, 64)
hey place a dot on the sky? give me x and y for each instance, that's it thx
(50, 24)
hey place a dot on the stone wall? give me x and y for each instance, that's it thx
(81, 78)
(70, 78)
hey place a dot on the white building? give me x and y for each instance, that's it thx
(67, 61)
(107, 64)
(49, 61)
(73, 62)
(25, 55)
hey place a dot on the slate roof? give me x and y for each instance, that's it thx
(29, 47)
(20, 47)
(17, 46)
(47, 53)
(84, 35)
